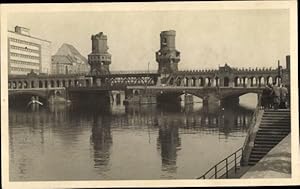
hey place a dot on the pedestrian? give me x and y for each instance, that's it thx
(266, 98)
(276, 96)
(283, 97)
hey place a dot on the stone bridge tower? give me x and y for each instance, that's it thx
(100, 58)
(167, 56)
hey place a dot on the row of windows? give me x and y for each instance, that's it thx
(24, 56)
(24, 42)
(98, 57)
(26, 49)
(24, 69)
(24, 62)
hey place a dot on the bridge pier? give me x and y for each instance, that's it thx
(211, 99)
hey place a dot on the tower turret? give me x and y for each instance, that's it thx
(167, 56)
(99, 58)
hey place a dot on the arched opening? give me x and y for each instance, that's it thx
(226, 81)
(261, 81)
(14, 84)
(269, 80)
(57, 93)
(25, 83)
(40, 84)
(217, 81)
(23, 99)
(57, 83)
(278, 80)
(178, 81)
(244, 81)
(201, 82)
(253, 81)
(52, 84)
(63, 83)
(186, 81)
(248, 100)
(193, 81)
(20, 84)
(46, 84)
(136, 93)
(237, 81)
(207, 82)
(32, 84)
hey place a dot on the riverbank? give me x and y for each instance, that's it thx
(276, 164)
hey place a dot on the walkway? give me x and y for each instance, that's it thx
(276, 164)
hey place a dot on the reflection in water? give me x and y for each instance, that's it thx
(168, 143)
(101, 140)
(58, 137)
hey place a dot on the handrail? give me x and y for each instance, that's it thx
(253, 121)
(227, 165)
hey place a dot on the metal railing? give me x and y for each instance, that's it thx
(222, 168)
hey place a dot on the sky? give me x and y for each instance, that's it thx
(205, 38)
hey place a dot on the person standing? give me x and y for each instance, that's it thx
(276, 96)
(283, 96)
(266, 98)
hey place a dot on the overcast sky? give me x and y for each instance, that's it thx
(206, 39)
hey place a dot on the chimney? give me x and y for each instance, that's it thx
(288, 57)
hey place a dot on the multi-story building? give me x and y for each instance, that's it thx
(27, 53)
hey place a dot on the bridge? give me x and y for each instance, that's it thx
(166, 83)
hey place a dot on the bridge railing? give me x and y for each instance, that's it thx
(222, 168)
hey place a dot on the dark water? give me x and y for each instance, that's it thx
(137, 142)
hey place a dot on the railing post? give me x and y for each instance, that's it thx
(226, 168)
(216, 172)
(235, 162)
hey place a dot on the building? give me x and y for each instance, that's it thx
(68, 60)
(99, 58)
(27, 53)
(167, 56)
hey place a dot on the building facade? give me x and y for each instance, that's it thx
(27, 53)
(68, 60)
(62, 64)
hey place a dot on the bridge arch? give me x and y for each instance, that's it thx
(29, 94)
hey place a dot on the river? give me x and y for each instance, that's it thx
(123, 142)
